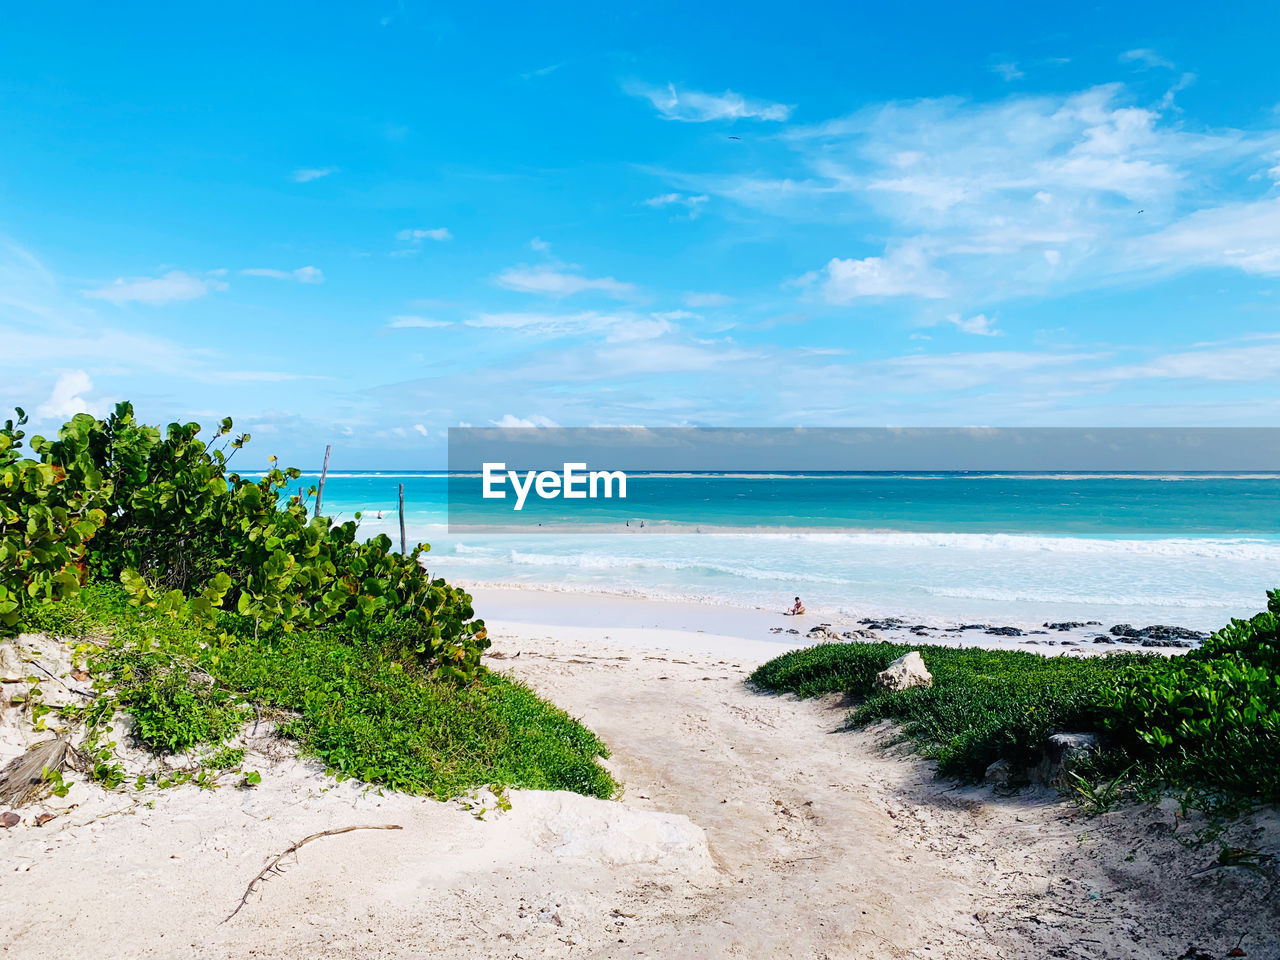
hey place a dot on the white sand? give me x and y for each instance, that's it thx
(748, 827)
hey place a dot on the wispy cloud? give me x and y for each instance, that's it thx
(979, 325)
(541, 71)
(307, 174)
(302, 274)
(1147, 57)
(509, 421)
(694, 106)
(622, 327)
(172, 286)
(692, 203)
(1028, 195)
(556, 281)
(417, 235)
(413, 322)
(1008, 71)
(698, 300)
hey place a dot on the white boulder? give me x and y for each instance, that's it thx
(904, 673)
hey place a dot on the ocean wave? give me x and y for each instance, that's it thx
(1024, 595)
(586, 561)
(1231, 548)
(1253, 549)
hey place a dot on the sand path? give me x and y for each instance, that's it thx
(748, 828)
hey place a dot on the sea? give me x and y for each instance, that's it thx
(1189, 549)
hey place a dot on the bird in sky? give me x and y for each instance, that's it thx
(735, 138)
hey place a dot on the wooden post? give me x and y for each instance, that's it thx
(323, 470)
(402, 545)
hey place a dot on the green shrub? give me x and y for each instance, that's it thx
(47, 520)
(173, 708)
(1210, 719)
(161, 513)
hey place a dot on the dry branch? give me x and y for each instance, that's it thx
(274, 865)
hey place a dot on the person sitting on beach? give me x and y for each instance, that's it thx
(797, 609)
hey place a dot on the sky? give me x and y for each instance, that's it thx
(362, 224)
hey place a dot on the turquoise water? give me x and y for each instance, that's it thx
(1192, 549)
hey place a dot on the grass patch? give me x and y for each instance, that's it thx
(348, 699)
(1205, 724)
(984, 705)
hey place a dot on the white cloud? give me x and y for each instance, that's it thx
(172, 286)
(1241, 235)
(1147, 57)
(902, 272)
(554, 281)
(980, 325)
(692, 203)
(302, 274)
(632, 330)
(540, 245)
(1256, 361)
(421, 429)
(697, 107)
(696, 300)
(616, 327)
(307, 174)
(510, 421)
(411, 322)
(65, 400)
(1008, 71)
(417, 235)
(995, 195)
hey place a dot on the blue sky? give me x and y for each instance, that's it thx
(361, 225)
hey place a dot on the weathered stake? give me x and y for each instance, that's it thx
(402, 547)
(323, 470)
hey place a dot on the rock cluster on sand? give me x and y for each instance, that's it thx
(1159, 635)
(904, 673)
(824, 632)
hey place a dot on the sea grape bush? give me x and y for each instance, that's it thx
(47, 522)
(162, 513)
(1211, 717)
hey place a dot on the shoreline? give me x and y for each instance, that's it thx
(709, 626)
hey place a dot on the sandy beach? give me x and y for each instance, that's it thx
(748, 826)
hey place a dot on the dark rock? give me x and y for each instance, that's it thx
(1004, 631)
(889, 623)
(1157, 632)
(1063, 752)
(859, 635)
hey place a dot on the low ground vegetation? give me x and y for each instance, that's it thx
(1206, 723)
